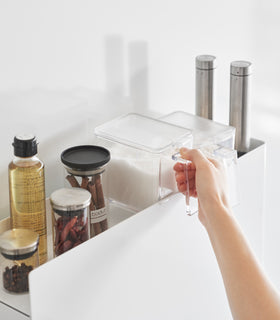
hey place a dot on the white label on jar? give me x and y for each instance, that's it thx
(98, 215)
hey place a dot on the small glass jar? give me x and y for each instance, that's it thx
(85, 166)
(70, 211)
(19, 247)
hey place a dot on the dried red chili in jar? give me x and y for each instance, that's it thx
(70, 217)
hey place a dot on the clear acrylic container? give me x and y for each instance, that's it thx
(140, 170)
(19, 248)
(216, 141)
(206, 133)
(70, 218)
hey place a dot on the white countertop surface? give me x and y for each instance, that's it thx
(158, 264)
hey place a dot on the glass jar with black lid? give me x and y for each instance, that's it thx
(19, 248)
(85, 166)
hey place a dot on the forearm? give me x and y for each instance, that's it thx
(250, 294)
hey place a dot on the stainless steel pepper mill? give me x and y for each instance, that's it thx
(239, 118)
(204, 85)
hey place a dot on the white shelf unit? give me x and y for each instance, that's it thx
(156, 265)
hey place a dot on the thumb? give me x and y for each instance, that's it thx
(193, 155)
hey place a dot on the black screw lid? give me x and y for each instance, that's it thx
(25, 145)
(87, 157)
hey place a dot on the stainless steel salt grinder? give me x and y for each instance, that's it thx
(204, 85)
(239, 118)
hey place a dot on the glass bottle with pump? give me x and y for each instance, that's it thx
(27, 190)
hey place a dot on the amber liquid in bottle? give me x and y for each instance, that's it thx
(27, 199)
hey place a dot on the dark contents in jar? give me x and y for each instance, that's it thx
(94, 186)
(70, 232)
(15, 279)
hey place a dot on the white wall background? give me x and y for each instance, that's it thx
(66, 66)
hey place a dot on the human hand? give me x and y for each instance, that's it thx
(206, 179)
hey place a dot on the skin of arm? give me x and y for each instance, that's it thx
(250, 294)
